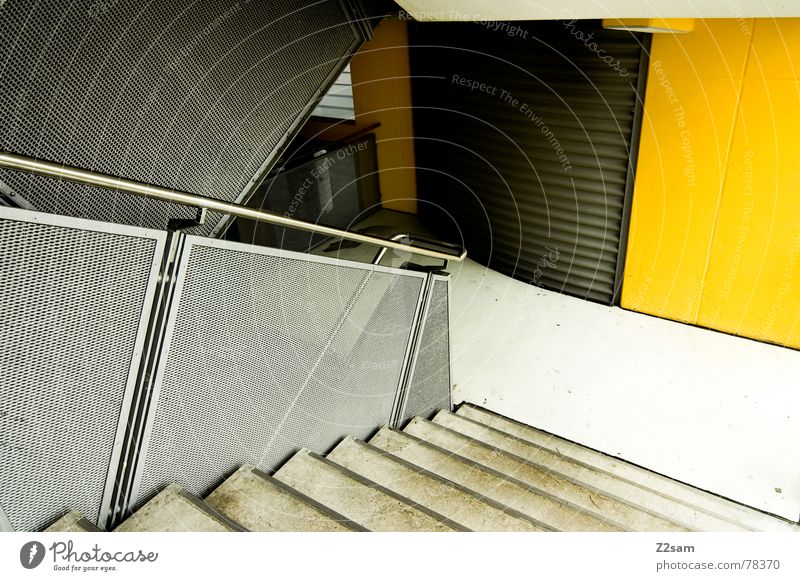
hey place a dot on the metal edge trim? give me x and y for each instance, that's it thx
(37, 217)
(448, 280)
(163, 356)
(412, 350)
(145, 378)
(195, 240)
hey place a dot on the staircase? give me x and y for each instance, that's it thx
(468, 470)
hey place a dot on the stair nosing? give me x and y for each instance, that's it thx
(88, 525)
(210, 511)
(327, 511)
(433, 476)
(531, 487)
(80, 521)
(511, 479)
(685, 503)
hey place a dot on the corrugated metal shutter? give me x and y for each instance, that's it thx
(523, 146)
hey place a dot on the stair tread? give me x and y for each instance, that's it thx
(418, 485)
(712, 512)
(483, 480)
(261, 503)
(175, 510)
(526, 463)
(358, 499)
(593, 478)
(72, 522)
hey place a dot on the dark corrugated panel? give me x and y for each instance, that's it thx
(532, 171)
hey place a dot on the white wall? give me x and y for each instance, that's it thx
(712, 410)
(483, 10)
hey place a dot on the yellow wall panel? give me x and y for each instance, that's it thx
(723, 252)
(382, 94)
(775, 53)
(690, 103)
(753, 282)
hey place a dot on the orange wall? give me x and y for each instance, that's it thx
(715, 227)
(382, 93)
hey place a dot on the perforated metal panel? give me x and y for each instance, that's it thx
(195, 96)
(73, 298)
(268, 351)
(429, 389)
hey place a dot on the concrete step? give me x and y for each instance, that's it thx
(427, 489)
(712, 512)
(357, 498)
(175, 510)
(591, 500)
(261, 503)
(544, 508)
(72, 522)
(592, 478)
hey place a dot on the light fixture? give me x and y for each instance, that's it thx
(655, 25)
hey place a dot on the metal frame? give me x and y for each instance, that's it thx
(146, 376)
(165, 344)
(401, 396)
(139, 344)
(447, 278)
(633, 157)
(13, 198)
(72, 174)
(410, 365)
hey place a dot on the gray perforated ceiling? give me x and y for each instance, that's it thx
(193, 96)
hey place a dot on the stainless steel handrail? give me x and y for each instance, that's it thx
(53, 170)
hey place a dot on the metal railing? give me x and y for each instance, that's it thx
(53, 170)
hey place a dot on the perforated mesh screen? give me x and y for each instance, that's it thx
(429, 390)
(71, 302)
(270, 352)
(194, 96)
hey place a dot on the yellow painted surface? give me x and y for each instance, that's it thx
(745, 217)
(655, 25)
(382, 93)
(690, 102)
